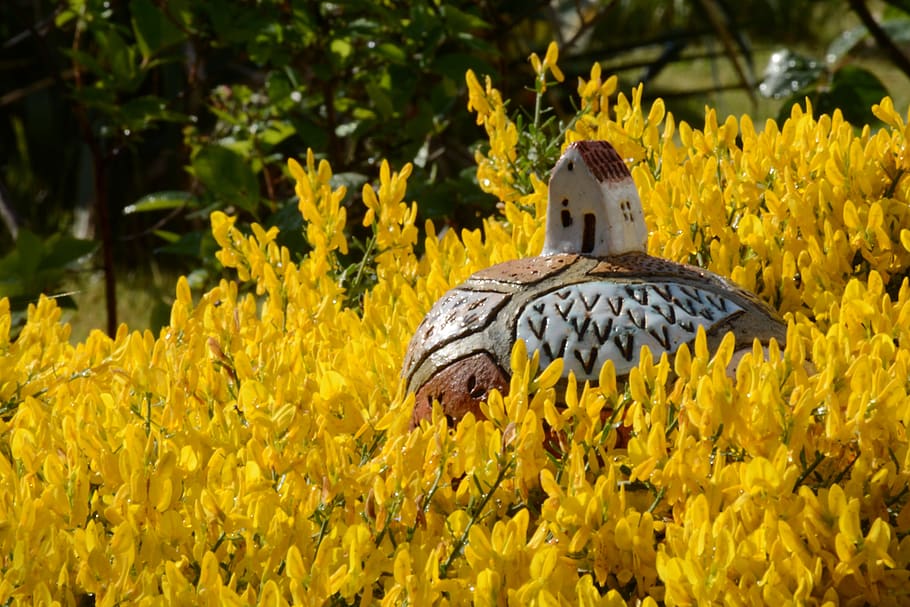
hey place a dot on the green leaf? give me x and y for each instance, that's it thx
(788, 72)
(290, 223)
(85, 60)
(391, 52)
(192, 244)
(454, 66)
(276, 132)
(424, 25)
(161, 201)
(279, 87)
(380, 98)
(852, 90)
(66, 15)
(227, 175)
(897, 29)
(236, 23)
(184, 12)
(242, 147)
(60, 251)
(896, 8)
(140, 113)
(461, 21)
(167, 235)
(36, 266)
(122, 73)
(154, 31)
(20, 265)
(341, 48)
(30, 250)
(843, 44)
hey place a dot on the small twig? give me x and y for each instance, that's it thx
(819, 458)
(657, 500)
(586, 25)
(38, 29)
(463, 539)
(843, 473)
(8, 213)
(367, 257)
(156, 226)
(893, 185)
(715, 16)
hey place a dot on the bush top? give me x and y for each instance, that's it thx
(257, 450)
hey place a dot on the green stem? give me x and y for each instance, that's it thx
(463, 540)
(371, 244)
(657, 500)
(819, 458)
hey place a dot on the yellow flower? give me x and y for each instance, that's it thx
(258, 448)
(547, 65)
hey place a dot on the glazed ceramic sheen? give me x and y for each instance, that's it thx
(592, 295)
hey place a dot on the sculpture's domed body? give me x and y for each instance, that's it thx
(593, 295)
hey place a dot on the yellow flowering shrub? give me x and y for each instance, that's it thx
(257, 450)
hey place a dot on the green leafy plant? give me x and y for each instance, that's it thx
(835, 80)
(140, 118)
(37, 266)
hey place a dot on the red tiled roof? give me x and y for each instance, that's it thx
(602, 160)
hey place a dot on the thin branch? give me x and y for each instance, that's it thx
(893, 51)
(102, 210)
(34, 87)
(715, 16)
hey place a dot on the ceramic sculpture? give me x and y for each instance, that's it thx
(592, 295)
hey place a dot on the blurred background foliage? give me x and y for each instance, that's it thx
(124, 123)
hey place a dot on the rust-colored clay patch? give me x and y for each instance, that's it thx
(609, 267)
(528, 270)
(641, 264)
(460, 387)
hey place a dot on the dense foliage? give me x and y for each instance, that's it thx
(125, 124)
(257, 449)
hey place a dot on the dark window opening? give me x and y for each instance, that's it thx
(475, 390)
(566, 219)
(589, 234)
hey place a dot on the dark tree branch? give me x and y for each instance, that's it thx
(893, 51)
(716, 18)
(102, 211)
(34, 87)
